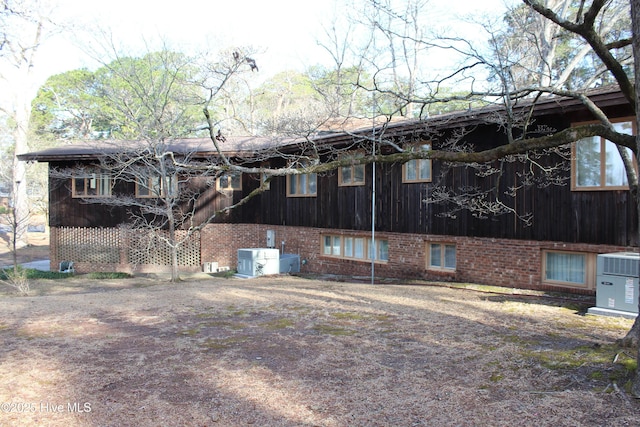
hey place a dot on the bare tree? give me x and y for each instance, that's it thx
(524, 66)
(156, 101)
(25, 25)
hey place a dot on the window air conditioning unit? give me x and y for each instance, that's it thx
(258, 261)
(617, 282)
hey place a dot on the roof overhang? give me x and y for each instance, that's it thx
(245, 146)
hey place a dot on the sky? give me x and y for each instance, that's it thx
(284, 32)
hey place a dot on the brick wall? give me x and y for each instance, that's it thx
(500, 262)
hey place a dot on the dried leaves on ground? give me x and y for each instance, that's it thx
(285, 351)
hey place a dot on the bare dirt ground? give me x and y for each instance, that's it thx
(287, 351)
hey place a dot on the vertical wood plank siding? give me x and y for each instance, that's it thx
(593, 217)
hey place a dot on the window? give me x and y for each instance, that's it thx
(379, 251)
(351, 247)
(351, 175)
(90, 184)
(229, 182)
(569, 268)
(597, 164)
(263, 181)
(303, 185)
(155, 186)
(417, 170)
(442, 256)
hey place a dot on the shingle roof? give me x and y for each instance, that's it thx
(203, 147)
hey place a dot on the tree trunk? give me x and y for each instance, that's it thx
(635, 27)
(174, 248)
(19, 188)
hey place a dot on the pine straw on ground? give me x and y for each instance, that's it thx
(285, 351)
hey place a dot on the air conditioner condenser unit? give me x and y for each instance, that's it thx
(617, 283)
(210, 267)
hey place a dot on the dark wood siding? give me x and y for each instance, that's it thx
(559, 214)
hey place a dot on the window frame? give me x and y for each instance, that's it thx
(360, 247)
(353, 183)
(589, 270)
(602, 160)
(152, 187)
(307, 185)
(418, 166)
(230, 177)
(99, 176)
(442, 266)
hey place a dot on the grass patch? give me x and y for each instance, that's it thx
(333, 330)
(234, 311)
(34, 274)
(107, 275)
(572, 358)
(348, 315)
(190, 332)
(275, 324)
(494, 378)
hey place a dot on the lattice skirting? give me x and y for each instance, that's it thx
(122, 246)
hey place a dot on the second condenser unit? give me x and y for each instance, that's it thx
(617, 281)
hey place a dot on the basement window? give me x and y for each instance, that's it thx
(572, 269)
(355, 247)
(441, 256)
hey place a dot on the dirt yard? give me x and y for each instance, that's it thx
(283, 351)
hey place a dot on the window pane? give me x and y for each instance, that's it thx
(91, 186)
(293, 181)
(371, 250)
(303, 184)
(435, 255)
(143, 190)
(173, 185)
(623, 127)
(410, 170)
(312, 183)
(327, 245)
(565, 267)
(358, 173)
(450, 256)
(336, 245)
(588, 162)
(616, 174)
(236, 181)
(104, 186)
(359, 248)
(346, 175)
(425, 169)
(79, 186)
(383, 250)
(348, 246)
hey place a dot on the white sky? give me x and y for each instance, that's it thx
(284, 31)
